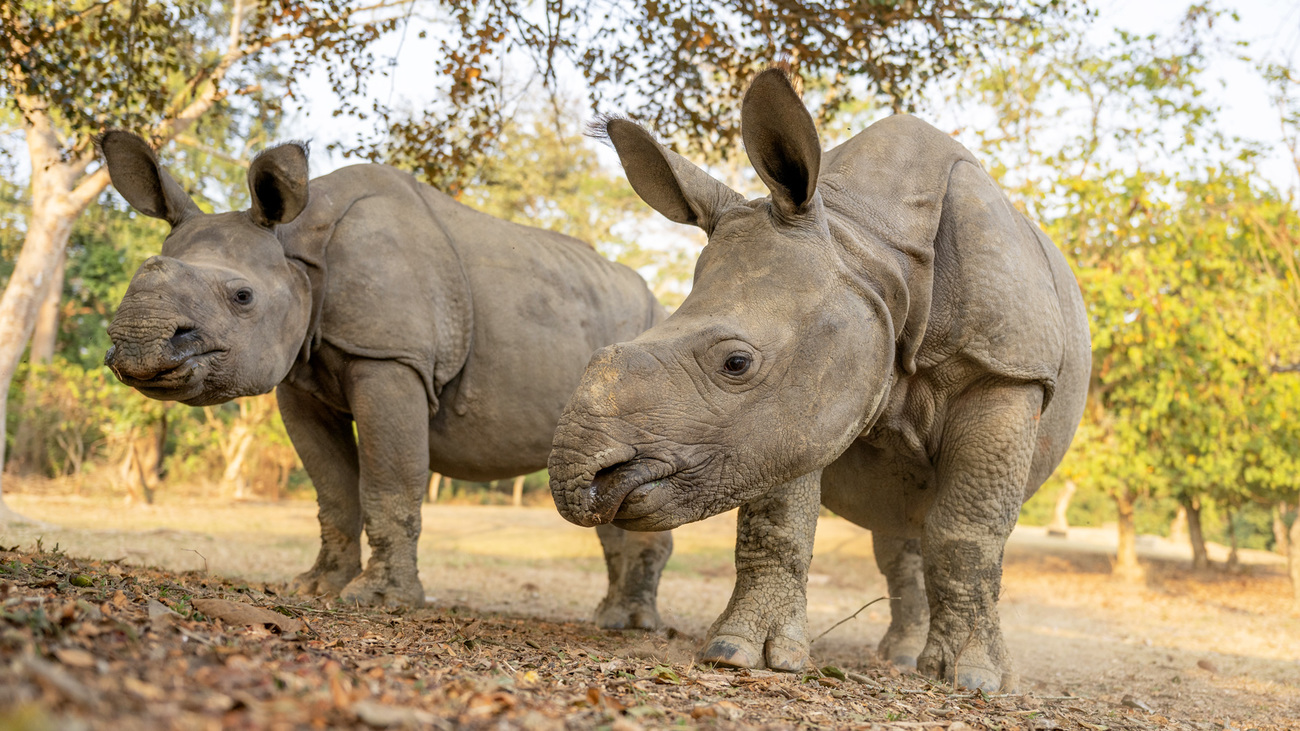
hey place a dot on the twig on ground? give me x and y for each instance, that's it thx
(205, 559)
(851, 616)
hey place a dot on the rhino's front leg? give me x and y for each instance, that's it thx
(988, 445)
(766, 621)
(635, 562)
(392, 413)
(899, 559)
(323, 439)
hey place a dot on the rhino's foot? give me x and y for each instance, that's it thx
(902, 644)
(321, 583)
(616, 613)
(786, 654)
(382, 585)
(965, 657)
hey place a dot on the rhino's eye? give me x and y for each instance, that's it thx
(244, 296)
(736, 364)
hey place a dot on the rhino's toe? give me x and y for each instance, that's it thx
(731, 651)
(379, 588)
(786, 655)
(624, 616)
(320, 583)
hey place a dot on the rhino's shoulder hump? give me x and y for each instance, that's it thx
(996, 275)
(393, 284)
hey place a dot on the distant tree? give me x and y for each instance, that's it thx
(681, 66)
(1177, 244)
(163, 69)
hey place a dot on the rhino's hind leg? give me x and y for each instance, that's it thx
(899, 559)
(323, 439)
(392, 412)
(635, 562)
(766, 621)
(988, 443)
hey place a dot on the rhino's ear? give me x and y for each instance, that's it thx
(277, 180)
(781, 140)
(133, 167)
(670, 183)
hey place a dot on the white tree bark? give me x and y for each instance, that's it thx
(60, 190)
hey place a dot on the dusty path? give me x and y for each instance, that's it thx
(1211, 649)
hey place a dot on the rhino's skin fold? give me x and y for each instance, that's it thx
(885, 324)
(450, 339)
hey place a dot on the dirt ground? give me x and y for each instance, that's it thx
(506, 640)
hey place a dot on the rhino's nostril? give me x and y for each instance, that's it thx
(183, 336)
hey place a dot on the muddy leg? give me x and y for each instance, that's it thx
(899, 559)
(767, 616)
(983, 466)
(635, 562)
(323, 439)
(392, 412)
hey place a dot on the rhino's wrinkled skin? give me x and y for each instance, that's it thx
(451, 340)
(885, 332)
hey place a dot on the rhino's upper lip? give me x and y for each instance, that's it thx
(612, 484)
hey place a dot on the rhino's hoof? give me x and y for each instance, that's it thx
(968, 676)
(319, 583)
(903, 662)
(366, 591)
(731, 651)
(985, 679)
(621, 617)
(786, 655)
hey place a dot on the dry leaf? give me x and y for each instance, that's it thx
(379, 715)
(238, 613)
(73, 657)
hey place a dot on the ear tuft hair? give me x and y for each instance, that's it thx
(785, 63)
(304, 145)
(598, 128)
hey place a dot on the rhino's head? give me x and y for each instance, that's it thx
(222, 312)
(776, 361)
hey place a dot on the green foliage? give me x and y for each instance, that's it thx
(1185, 257)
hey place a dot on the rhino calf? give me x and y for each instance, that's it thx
(886, 335)
(451, 339)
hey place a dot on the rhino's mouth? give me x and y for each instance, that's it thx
(174, 383)
(626, 490)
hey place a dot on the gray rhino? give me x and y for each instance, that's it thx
(885, 334)
(451, 339)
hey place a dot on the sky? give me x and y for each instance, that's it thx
(1271, 28)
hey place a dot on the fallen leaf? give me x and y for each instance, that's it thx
(142, 690)
(238, 613)
(380, 715)
(1132, 701)
(1207, 665)
(74, 657)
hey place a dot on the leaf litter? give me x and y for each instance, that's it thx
(88, 644)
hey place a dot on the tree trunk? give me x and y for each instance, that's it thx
(1196, 536)
(1293, 559)
(59, 195)
(1060, 525)
(1281, 541)
(1233, 558)
(1126, 559)
(141, 469)
(1178, 526)
(29, 442)
(435, 481)
(517, 498)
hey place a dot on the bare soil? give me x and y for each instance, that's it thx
(506, 639)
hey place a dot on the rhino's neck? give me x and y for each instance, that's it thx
(883, 193)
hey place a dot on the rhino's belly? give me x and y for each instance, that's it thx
(879, 489)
